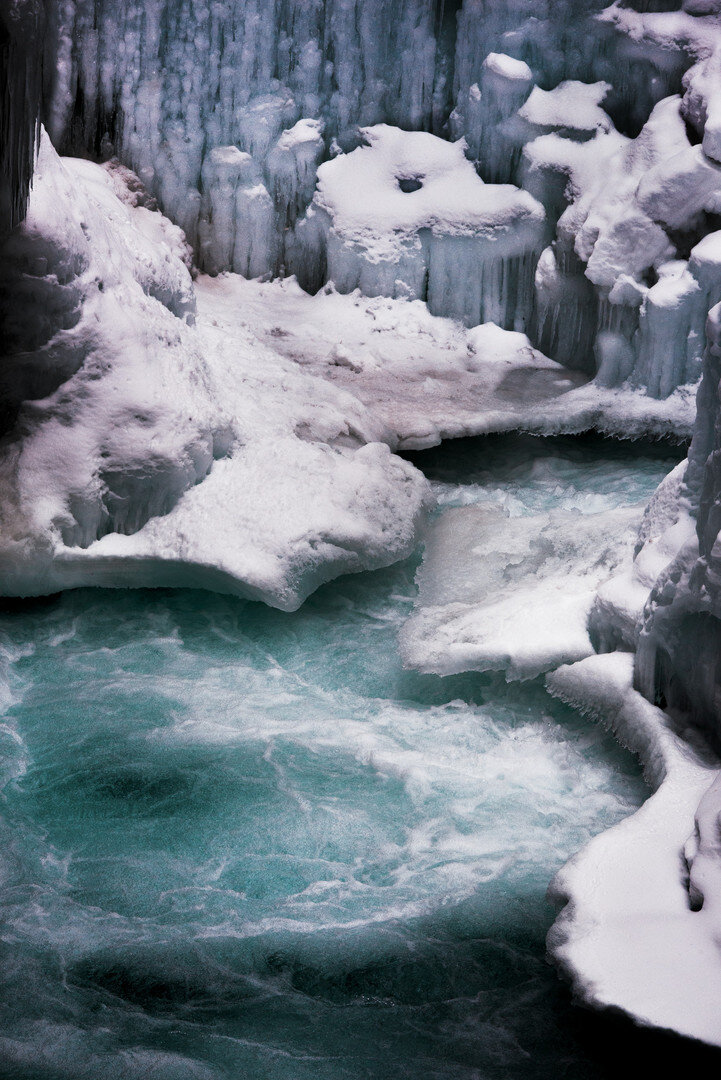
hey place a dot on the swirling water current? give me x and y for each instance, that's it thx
(240, 843)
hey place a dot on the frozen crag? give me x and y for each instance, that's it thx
(141, 449)
(407, 215)
(497, 593)
(636, 932)
(631, 276)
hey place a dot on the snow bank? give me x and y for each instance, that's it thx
(630, 934)
(141, 449)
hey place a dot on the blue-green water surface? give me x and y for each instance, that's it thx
(238, 843)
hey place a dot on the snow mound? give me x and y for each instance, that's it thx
(407, 215)
(630, 934)
(141, 449)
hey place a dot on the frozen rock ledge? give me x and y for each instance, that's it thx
(144, 446)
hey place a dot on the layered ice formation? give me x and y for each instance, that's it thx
(226, 112)
(407, 215)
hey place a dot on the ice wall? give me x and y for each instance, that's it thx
(165, 82)
(227, 109)
(677, 663)
(21, 29)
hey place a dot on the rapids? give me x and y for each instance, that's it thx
(241, 843)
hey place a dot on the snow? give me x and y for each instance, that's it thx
(628, 936)
(407, 215)
(511, 594)
(155, 452)
(425, 378)
(572, 107)
(637, 205)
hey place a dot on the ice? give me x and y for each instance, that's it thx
(630, 233)
(628, 936)
(236, 228)
(425, 378)
(618, 608)
(131, 431)
(292, 165)
(407, 215)
(505, 86)
(678, 643)
(21, 27)
(511, 594)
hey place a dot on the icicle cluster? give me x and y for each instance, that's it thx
(21, 30)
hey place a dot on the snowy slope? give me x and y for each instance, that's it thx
(154, 454)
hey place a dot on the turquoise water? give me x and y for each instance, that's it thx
(240, 843)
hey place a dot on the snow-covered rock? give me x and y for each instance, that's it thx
(141, 449)
(407, 215)
(631, 934)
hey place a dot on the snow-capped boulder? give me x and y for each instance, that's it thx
(407, 215)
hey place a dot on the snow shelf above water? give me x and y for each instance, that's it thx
(229, 434)
(407, 215)
(426, 378)
(511, 594)
(628, 936)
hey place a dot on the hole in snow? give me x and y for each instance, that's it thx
(410, 183)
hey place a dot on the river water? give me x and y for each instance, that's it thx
(242, 843)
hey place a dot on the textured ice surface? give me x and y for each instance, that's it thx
(510, 570)
(425, 378)
(241, 842)
(21, 29)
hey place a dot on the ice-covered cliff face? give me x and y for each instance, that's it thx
(680, 641)
(226, 111)
(21, 27)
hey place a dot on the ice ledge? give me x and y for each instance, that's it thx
(627, 937)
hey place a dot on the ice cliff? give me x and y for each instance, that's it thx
(227, 110)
